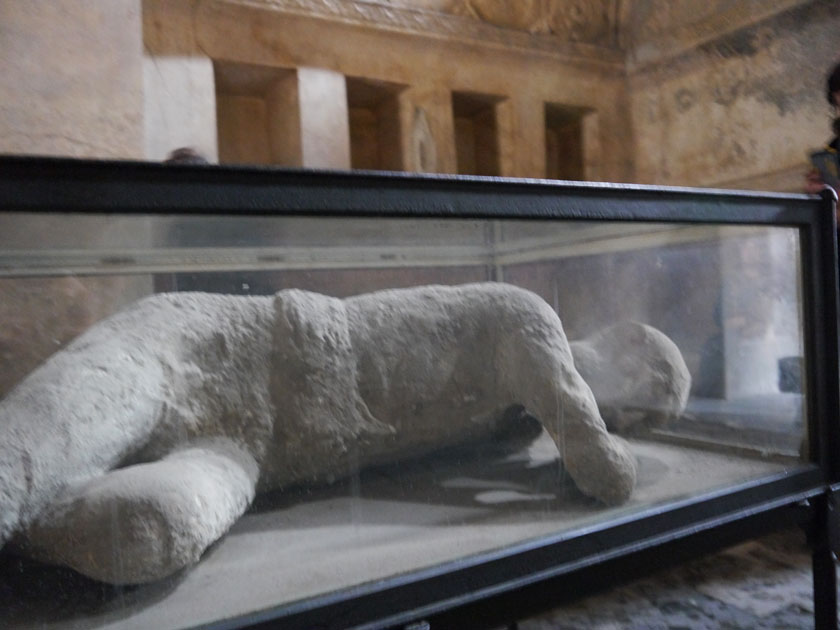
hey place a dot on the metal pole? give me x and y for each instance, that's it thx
(822, 560)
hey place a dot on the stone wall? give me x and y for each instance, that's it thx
(71, 84)
(416, 58)
(739, 109)
(637, 79)
(72, 79)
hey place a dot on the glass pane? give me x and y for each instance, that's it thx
(296, 406)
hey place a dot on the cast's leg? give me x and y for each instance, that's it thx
(540, 373)
(147, 521)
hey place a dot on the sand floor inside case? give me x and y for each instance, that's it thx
(306, 542)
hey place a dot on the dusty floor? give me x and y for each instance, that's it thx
(761, 585)
(361, 529)
(391, 520)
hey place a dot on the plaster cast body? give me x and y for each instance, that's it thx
(128, 453)
(636, 373)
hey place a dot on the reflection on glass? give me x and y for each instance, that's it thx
(236, 413)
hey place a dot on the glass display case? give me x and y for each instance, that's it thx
(239, 397)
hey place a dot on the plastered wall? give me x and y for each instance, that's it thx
(72, 78)
(71, 84)
(738, 110)
(721, 93)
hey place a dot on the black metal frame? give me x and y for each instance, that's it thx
(500, 587)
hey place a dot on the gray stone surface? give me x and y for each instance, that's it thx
(109, 445)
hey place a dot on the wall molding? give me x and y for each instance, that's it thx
(627, 52)
(442, 26)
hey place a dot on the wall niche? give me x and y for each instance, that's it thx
(477, 133)
(375, 127)
(564, 141)
(271, 115)
(246, 113)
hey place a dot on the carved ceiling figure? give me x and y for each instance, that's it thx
(525, 15)
(572, 20)
(653, 18)
(579, 20)
(590, 21)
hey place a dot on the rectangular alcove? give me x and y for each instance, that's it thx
(476, 133)
(250, 114)
(564, 141)
(375, 130)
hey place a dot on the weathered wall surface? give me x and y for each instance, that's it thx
(71, 83)
(72, 78)
(654, 29)
(724, 93)
(740, 110)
